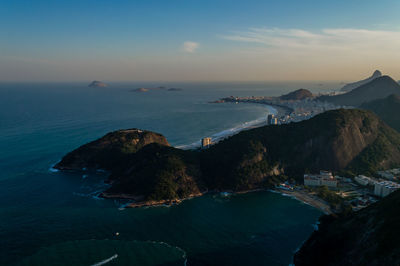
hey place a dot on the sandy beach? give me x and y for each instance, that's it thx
(307, 198)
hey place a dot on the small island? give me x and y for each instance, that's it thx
(97, 84)
(161, 88)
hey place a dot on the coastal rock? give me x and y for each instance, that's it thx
(367, 237)
(175, 89)
(110, 151)
(297, 95)
(378, 88)
(354, 85)
(96, 84)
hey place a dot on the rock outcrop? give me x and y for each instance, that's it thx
(351, 86)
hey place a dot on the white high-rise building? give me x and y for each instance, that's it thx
(206, 142)
(384, 188)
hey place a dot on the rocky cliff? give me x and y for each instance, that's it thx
(367, 237)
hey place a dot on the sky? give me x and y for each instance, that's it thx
(198, 40)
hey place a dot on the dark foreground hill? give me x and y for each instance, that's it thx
(341, 140)
(367, 237)
(387, 109)
(378, 88)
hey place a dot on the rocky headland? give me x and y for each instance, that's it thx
(110, 151)
(144, 167)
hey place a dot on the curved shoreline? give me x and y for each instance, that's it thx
(259, 122)
(306, 198)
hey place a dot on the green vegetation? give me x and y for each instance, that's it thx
(110, 151)
(159, 172)
(329, 196)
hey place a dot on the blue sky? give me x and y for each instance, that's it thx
(175, 40)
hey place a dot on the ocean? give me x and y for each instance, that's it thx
(56, 218)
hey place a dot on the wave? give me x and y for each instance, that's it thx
(106, 260)
(93, 194)
(231, 131)
(52, 169)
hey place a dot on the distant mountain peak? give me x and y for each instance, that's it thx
(376, 74)
(378, 88)
(354, 85)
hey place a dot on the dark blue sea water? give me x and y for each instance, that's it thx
(55, 218)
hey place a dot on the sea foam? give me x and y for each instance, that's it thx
(106, 260)
(229, 132)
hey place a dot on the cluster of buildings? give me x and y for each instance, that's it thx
(381, 188)
(301, 109)
(364, 180)
(272, 120)
(384, 188)
(393, 174)
(324, 178)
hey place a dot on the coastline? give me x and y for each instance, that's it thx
(299, 195)
(306, 198)
(139, 202)
(278, 110)
(282, 109)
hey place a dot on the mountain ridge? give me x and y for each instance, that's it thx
(376, 89)
(351, 86)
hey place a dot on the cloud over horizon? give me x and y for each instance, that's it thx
(339, 40)
(190, 47)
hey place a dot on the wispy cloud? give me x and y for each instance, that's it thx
(190, 47)
(326, 40)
